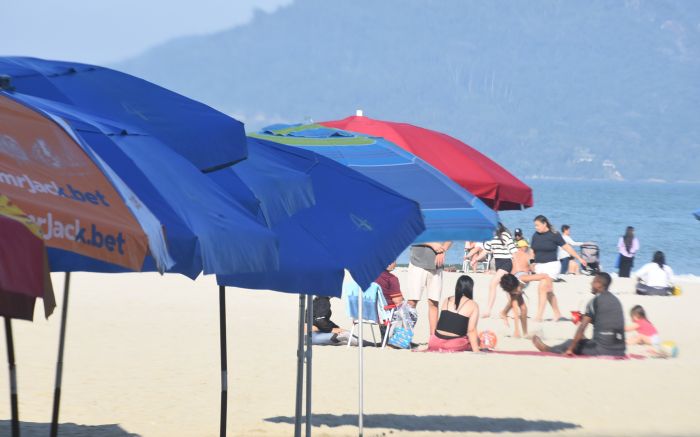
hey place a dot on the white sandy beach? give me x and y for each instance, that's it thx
(143, 359)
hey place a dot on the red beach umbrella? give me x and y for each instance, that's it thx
(468, 167)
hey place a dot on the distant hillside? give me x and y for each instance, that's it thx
(548, 88)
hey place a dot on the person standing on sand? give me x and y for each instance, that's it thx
(425, 269)
(604, 311)
(567, 264)
(502, 248)
(544, 244)
(522, 271)
(515, 288)
(627, 246)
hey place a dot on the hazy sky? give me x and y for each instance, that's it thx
(104, 31)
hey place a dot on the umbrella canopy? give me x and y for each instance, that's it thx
(24, 273)
(355, 223)
(206, 229)
(697, 214)
(468, 167)
(449, 211)
(79, 209)
(204, 136)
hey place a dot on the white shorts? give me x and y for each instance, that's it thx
(420, 280)
(551, 269)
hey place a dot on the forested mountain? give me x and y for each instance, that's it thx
(593, 89)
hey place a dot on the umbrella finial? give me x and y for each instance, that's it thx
(359, 113)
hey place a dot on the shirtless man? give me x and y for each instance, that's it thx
(522, 271)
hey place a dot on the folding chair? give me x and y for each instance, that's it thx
(374, 308)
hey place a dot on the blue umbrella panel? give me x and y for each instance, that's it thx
(355, 223)
(450, 212)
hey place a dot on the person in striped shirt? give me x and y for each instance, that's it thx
(501, 247)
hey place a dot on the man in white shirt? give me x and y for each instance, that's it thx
(567, 264)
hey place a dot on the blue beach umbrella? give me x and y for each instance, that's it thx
(697, 214)
(207, 230)
(355, 223)
(449, 211)
(157, 144)
(206, 137)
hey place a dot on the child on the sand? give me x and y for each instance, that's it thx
(514, 288)
(646, 332)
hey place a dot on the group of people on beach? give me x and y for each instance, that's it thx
(517, 263)
(453, 322)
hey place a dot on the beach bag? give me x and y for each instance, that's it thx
(401, 337)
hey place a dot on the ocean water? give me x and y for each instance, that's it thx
(599, 211)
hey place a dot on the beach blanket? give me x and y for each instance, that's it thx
(551, 354)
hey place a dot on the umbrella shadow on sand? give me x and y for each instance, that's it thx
(407, 422)
(32, 429)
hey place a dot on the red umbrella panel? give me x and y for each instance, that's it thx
(24, 269)
(468, 167)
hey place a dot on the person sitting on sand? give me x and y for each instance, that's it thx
(456, 327)
(604, 311)
(324, 330)
(655, 278)
(646, 332)
(511, 285)
(545, 291)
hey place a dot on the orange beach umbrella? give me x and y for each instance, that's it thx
(49, 176)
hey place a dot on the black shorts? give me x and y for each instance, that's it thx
(504, 264)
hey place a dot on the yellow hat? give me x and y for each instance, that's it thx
(522, 243)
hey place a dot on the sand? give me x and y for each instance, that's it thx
(142, 359)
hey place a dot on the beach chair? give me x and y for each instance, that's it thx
(481, 266)
(375, 310)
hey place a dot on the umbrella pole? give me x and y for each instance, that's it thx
(360, 347)
(224, 366)
(14, 405)
(59, 361)
(309, 330)
(300, 368)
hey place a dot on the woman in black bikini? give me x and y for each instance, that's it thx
(456, 327)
